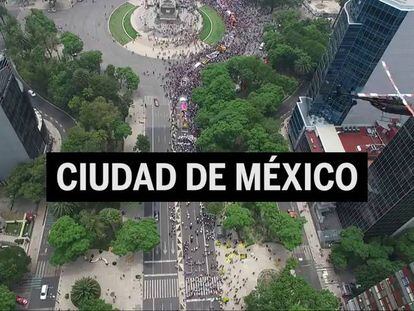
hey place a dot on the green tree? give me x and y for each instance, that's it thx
(84, 290)
(72, 43)
(237, 217)
(281, 225)
(287, 292)
(303, 65)
(351, 249)
(91, 61)
(142, 144)
(376, 270)
(79, 140)
(96, 229)
(69, 240)
(103, 115)
(27, 180)
(7, 299)
(95, 305)
(59, 209)
(136, 236)
(127, 78)
(404, 246)
(111, 217)
(13, 264)
(41, 31)
(267, 98)
(215, 208)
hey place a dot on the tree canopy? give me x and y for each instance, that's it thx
(295, 45)
(13, 264)
(72, 43)
(95, 305)
(136, 236)
(84, 290)
(69, 240)
(27, 180)
(142, 144)
(72, 79)
(7, 299)
(228, 123)
(237, 217)
(372, 260)
(287, 292)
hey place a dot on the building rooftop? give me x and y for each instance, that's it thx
(329, 138)
(352, 138)
(322, 8)
(403, 5)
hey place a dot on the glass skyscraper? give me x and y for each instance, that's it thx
(23, 135)
(391, 189)
(361, 34)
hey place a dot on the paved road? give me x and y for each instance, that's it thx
(202, 281)
(45, 273)
(306, 267)
(160, 291)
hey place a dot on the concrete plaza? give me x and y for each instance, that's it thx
(121, 284)
(240, 275)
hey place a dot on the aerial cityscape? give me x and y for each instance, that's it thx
(182, 76)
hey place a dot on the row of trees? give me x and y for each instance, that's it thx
(373, 260)
(264, 219)
(237, 103)
(56, 67)
(71, 236)
(294, 45)
(13, 265)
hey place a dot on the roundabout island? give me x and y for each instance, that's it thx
(165, 29)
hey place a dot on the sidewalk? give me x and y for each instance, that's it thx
(327, 276)
(37, 235)
(136, 120)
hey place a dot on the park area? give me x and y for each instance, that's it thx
(120, 24)
(213, 26)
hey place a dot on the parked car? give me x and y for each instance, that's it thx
(31, 93)
(21, 300)
(43, 292)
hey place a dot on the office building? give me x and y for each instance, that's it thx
(393, 293)
(23, 135)
(364, 33)
(390, 205)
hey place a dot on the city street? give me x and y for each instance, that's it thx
(45, 273)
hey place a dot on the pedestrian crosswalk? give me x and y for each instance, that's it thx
(303, 251)
(44, 268)
(202, 286)
(26, 285)
(160, 287)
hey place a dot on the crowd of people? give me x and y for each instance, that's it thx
(243, 38)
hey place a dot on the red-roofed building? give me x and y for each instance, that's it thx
(365, 138)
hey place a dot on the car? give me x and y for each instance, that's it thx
(43, 292)
(21, 300)
(156, 102)
(31, 93)
(261, 47)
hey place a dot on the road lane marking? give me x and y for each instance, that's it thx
(159, 261)
(160, 275)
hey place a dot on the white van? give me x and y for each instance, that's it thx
(43, 292)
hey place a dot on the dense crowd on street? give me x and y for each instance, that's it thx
(244, 38)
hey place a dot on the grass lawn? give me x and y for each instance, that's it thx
(120, 23)
(13, 228)
(213, 26)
